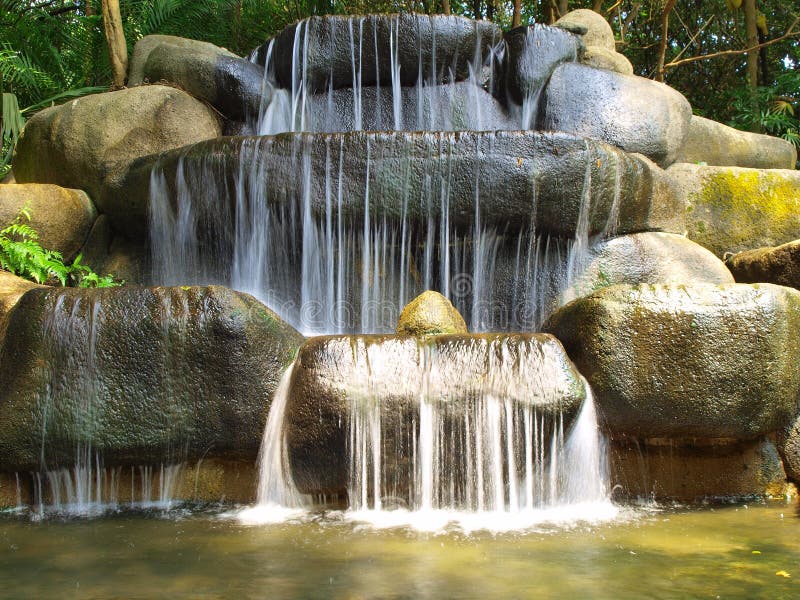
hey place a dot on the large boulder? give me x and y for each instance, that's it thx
(107, 252)
(779, 265)
(687, 361)
(716, 144)
(231, 84)
(517, 179)
(328, 49)
(89, 143)
(632, 113)
(137, 375)
(648, 257)
(730, 209)
(338, 379)
(430, 313)
(533, 52)
(62, 217)
(12, 288)
(600, 58)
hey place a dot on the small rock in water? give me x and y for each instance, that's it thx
(428, 314)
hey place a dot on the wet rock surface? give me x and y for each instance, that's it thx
(687, 361)
(632, 113)
(335, 376)
(517, 178)
(430, 313)
(426, 47)
(137, 375)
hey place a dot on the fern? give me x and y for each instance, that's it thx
(22, 255)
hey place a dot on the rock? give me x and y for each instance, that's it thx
(141, 375)
(12, 288)
(789, 447)
(229, 83)
(109, 253)
(62, 217)
(430, 313)
(648, 257)
(716, 144)
(600, 58)
(687, 361)
(532, 53)
(695, 470)
(730, 209)
(337, 377)
(632, 113)
(88, 143)
(514, 171)
(449, 107)
(328, 46)
(780, 265)
(598, 31)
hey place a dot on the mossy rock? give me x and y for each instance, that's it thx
(140, 375)
(430, 313)
(730, 209)
(706, 361)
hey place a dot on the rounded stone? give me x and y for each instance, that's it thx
(598, 30)
(62, 217)
(141, 375)
(716, 144)
(430, 313)
(633, 113)
(708, 361)
(601, 58)
(89, 143)
(779, 265)
(647, 257)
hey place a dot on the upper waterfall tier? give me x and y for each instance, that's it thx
(340, 51)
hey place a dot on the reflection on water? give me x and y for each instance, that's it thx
(732, 551)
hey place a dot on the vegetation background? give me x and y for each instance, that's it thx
(737, 61)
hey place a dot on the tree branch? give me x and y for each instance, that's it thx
(789, 33)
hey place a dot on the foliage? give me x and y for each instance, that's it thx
(22, 255)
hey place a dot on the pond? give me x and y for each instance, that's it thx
(742, 550)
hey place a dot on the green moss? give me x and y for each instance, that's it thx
(738, 209)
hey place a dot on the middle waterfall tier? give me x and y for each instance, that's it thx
(337, 232)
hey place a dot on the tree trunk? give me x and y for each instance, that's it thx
(750, 14)
(563, 8)
(516, 21)
(597, 6)
(476, 8)
(115, 36)
(662, 43)
(446, 7)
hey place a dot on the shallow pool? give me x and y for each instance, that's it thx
(742, 551)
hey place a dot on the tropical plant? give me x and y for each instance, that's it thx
(22, 255)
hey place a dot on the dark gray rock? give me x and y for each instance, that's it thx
(229, 83)
(138, 375)
(459, 106)
(520, 178)
(425, 46)
(632, 113)
(789, 448)
(679, 361)
(335, 377)
(532, 53)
